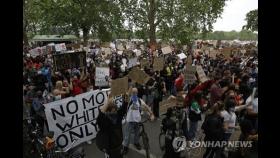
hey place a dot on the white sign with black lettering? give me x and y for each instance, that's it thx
(102, 76)
(74, 118)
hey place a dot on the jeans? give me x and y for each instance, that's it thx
(193, 129)
(132, 127)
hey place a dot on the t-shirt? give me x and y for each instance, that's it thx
(230, 118)
(133, 113)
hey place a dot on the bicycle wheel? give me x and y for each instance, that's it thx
(162, 141)
(145, 140)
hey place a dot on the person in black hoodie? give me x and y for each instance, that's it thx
(110, 136)
(213, 129)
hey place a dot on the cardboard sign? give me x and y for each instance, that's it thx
(158, 64)
(226, 52)
(166, 50)
(119, 86)
(75, 117)
(201, 74)
(106, 44)
(132, 62)
(106, 50)
(69, 60)
(190, 74)
(138, 76)
(189, 60)
(102, 76)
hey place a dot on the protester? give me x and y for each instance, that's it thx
(110, 136)
(133, 117)
(213, 127)
(194, 115)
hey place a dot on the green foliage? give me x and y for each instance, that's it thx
(252, 20)
(232, 35)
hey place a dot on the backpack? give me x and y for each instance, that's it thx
(130, 103)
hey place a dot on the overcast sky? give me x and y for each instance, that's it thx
(234, 14)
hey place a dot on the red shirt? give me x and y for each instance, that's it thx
(179, 83)
(76, 88)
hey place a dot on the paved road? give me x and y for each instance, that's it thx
(153, 130)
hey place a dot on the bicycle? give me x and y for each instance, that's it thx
(171, 129)
(70, 152)
(145, 138)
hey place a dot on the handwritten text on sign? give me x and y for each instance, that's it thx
(101, 76)
(75, 117)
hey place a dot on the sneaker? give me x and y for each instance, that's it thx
(124, 150)
(138, 146)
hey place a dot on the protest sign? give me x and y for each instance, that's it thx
(120, 52)
(120, 47)
(102, 76)
(106, 50)
(201, 74)
(138, 76)
(119, 86)
(60, 47)
(132, 62)
(166, 50)
(190, 74)
(182, 56)
(35, 52)
(226, 52)
(213, 53)
(158, 64)
(138, 52)
(75, 117)
(189, 60)
(69, 60)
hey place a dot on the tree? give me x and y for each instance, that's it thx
(252, 20)
(72, 16)
(172, 18)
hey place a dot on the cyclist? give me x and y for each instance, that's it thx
(133, 118)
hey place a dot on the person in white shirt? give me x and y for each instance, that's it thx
(133, 118)
(229, 118)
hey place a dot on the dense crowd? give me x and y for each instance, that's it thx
(225, 99)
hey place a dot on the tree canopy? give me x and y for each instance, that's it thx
(252, 20)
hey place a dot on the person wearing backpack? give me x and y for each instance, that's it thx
(213, 129)
(133, 118)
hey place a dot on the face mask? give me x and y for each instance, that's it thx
(58, 97)
(231, 109)
(134, 98)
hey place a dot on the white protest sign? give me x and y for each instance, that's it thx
(166, 50)
(120, 47)
(58, 48)
(138, 52)
(35, 52)
(75, 117)
(112, 45)
(182, 56)
(120, 52)
(101, 76)
(132, 62)
(63, 46)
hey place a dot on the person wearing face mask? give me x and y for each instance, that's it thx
(229, 118)
(133, 118)
(109, 137)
